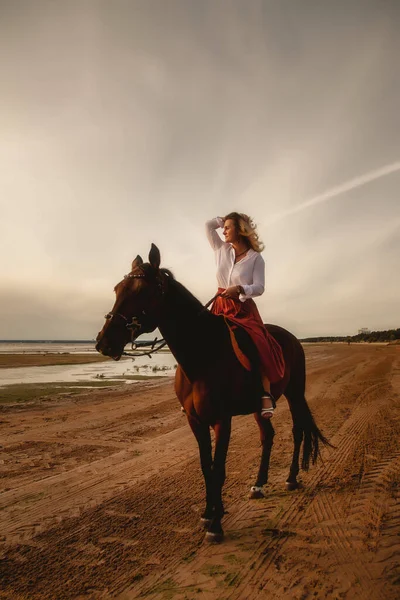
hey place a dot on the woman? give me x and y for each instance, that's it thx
(241, 277)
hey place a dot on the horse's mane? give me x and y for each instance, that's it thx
(185, 294)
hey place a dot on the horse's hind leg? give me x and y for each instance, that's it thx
(267, 439)
(291, 482)
(294, 394)
(297, 403)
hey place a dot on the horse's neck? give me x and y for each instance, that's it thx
(187, 327)
(183, 315)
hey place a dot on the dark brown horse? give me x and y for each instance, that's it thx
(211, 384)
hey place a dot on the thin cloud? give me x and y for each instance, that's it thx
(338, 190)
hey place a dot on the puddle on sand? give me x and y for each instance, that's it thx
(159, 365)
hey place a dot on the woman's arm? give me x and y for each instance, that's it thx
(258, 286)
(212, 235)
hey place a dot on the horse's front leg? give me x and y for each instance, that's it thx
(203, 437)
(222, 436)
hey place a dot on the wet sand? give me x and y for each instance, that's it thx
(101, 495)
(48, 359)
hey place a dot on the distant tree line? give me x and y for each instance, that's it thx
(390, 335)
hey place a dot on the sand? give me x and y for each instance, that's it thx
(101, 495)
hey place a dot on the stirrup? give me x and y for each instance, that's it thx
(268, 411)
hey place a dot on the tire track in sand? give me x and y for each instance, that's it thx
(323, 514)
(261, 573)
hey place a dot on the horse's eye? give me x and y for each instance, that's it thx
(108, 316)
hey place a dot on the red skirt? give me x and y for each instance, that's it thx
(246, 315)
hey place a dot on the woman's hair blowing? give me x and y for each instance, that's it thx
(246, 227)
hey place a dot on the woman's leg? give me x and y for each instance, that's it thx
(266, 383)
(267, 403)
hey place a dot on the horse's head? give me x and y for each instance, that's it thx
(137, 306)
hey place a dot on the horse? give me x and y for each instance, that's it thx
(211, 383)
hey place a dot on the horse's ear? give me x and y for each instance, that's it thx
(154, 257)
(137, 262)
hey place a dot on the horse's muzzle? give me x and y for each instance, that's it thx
(106, 350)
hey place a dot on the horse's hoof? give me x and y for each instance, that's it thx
(291, 485)
(214, 538)
(205, 522)
(256, 493)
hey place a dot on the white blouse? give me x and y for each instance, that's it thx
(249, 272)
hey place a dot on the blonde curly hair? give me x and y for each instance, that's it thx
(246, 227)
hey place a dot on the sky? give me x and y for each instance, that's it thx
(134, 121)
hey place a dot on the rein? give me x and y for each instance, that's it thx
(210, 302)
(162, 343)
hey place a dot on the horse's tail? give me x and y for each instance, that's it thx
(312, 437)
(303, 420)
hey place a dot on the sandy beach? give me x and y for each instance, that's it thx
(101, 494)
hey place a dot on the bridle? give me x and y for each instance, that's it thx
(135, 324)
